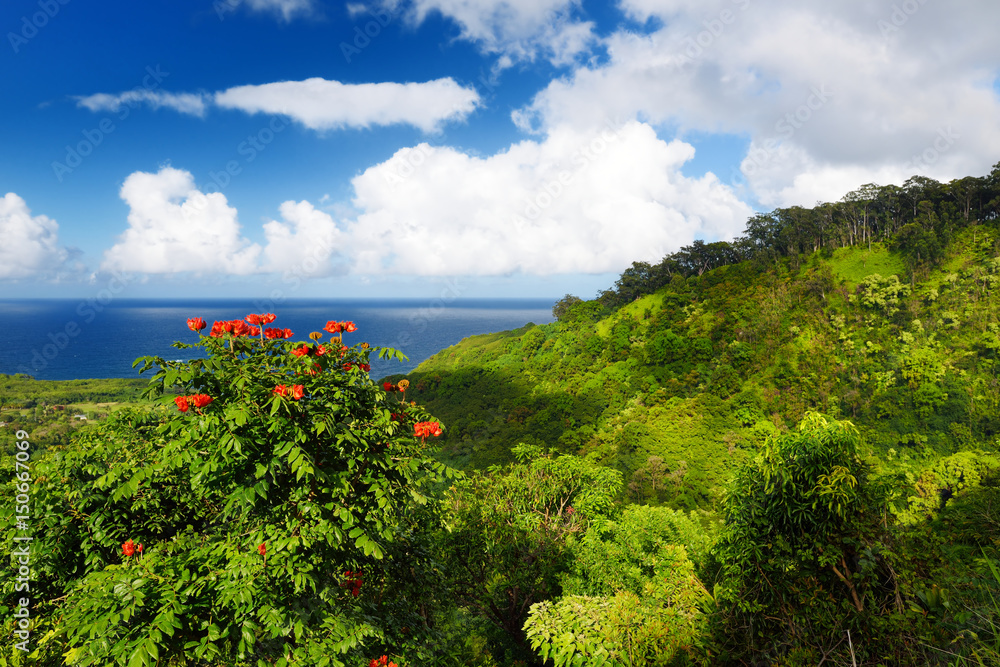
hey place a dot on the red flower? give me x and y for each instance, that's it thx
(182, 403)
(348, 326)
(200, 400)
(235, 327)
(332, 327)
(301, 351)
(424, 430)
(240, 328)
(348, 366)
(262, 549)
(388, 386)
(320, 350)
(260, 319)
(353, 582)
(273, 333)
(139, 548)
(128, 548)
(297, 391)
(196, 324)
(254, 331)
(365, 367)
(280, 390)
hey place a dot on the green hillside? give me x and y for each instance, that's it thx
(699, 372)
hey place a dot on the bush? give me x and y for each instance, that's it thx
(245, 520)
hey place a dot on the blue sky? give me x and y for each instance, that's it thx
(523, 147)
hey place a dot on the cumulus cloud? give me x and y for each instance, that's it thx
(515, 30)
(576, 202)
(175, 228)
(586, 202)
(303, 242)
(189, 103)
(851, 92)
(320, 104)
(29, 245)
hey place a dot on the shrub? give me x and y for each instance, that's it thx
(264, 493)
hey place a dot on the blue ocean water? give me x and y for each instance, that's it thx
(79, 339)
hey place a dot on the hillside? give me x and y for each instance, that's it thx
(678, 386)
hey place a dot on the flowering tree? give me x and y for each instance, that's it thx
(278, 476)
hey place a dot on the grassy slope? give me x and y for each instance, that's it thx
(698, 373)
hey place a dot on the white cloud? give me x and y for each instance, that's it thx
(287, 9)
(576, 202)
(303, 242)
(832, 93)
(516, 30)
(320, 104)
(317, 103)
(189, 103)
(175, 228)
(29, 245)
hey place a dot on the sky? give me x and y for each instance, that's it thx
(486, 148)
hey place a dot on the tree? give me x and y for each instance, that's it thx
(564, 305)
(506, 540)
(805, 551)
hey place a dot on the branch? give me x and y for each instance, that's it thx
(854, 593)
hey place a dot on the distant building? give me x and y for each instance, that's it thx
(84, 417)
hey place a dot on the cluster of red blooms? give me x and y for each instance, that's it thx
(240, 327)
(424, 430)
(277, 333)
(129, 548)
(336, 327)
(260, 319)
(353, 582)
(294, 391)
(197, 400)
(365, 367)
(305, 350)
(237, 328)
(382, 662)
(262, 549)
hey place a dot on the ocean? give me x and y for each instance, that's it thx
(54, 339)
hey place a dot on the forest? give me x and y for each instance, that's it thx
(781, 450)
